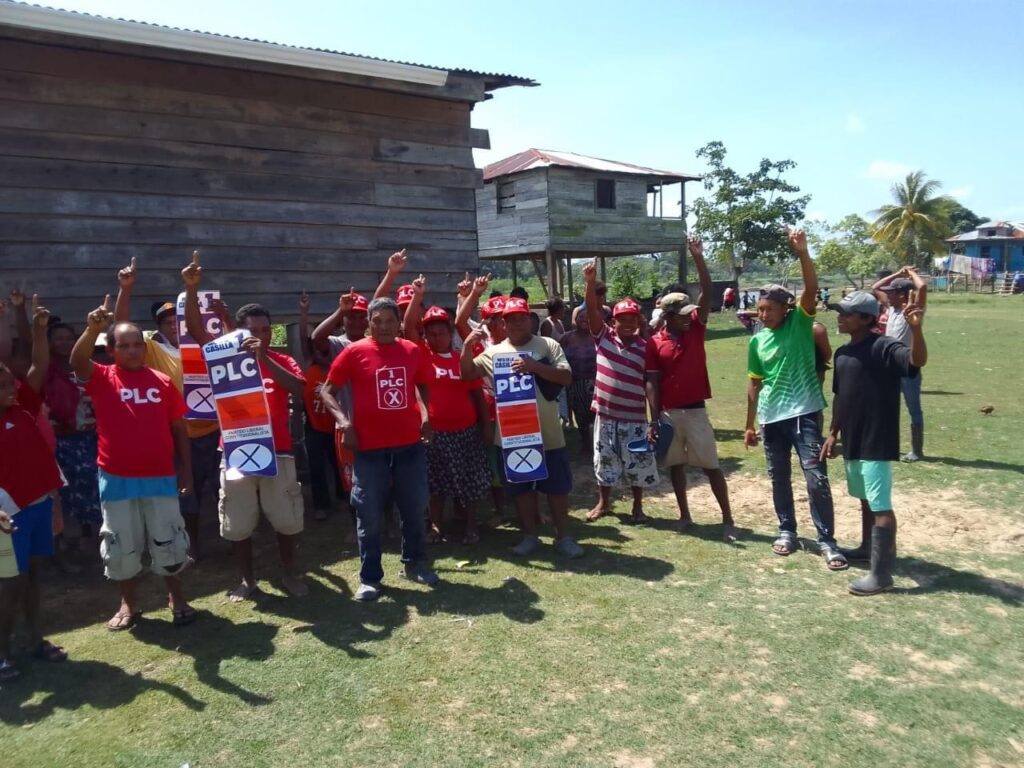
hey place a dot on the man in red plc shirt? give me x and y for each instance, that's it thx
(140, 425)
(242, 498)
(388, 377)
(678, 385)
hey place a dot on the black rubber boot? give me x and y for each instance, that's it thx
(916, 444)
(862, 553)
(879, 579)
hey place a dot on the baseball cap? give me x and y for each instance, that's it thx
(515, 306)
(493, 307)
(676, 304)
(360, 304)
(899, 285)
(405, 294)
(435, 314)
(858, 301)
(626, 307)
(160, 310)
(776, 292)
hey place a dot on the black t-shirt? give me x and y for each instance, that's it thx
(866, 381)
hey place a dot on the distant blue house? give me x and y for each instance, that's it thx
(997, 240)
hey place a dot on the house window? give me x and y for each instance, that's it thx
(604, 193)
(991, 233)
(986, 251)
(506, 191)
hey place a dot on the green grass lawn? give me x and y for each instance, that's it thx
(654, 650)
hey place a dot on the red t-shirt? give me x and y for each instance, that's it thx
(450, 408)
(278, 400)
(134, 413)
(32, 402)
(319, 417)
(383, 379)
(28, 470)
(683, 366)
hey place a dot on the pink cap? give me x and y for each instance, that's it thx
(405, 294)
(434, 314)
(515, 306)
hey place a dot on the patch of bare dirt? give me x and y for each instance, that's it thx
(626, 759)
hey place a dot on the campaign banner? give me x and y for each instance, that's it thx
(522, 445)
(241, 403)
(195, 379)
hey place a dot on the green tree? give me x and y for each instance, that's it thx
(915, 226)
(960, 218)
(632, 277)
(742, 217)
(847, 248)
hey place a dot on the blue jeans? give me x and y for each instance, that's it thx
(378, 478)
(911, 386)
(780, 438)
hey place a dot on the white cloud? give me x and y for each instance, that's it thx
(816, 215)
(887, 171)
(854, 124)
(961, 193)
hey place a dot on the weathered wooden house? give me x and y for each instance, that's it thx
(551, 207)
(291, 169)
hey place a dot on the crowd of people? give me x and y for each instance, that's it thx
(401, 415)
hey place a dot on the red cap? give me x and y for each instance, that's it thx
(360, 304)
(626, 307)
(405, 294)
(434, 314)
(515, 306)
(492, 307)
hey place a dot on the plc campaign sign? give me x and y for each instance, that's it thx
(522, 447)
(242, 410)
(198, 399)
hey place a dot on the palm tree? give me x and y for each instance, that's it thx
(917, 223)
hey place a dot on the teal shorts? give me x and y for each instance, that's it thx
(870, 481)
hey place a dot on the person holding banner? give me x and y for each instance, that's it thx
(242, 496)
(456, 460)
(140, 423)
(388, 377)
(530, 432)
(163, 354)
(623, 438)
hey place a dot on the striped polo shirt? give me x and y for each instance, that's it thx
(619, 387)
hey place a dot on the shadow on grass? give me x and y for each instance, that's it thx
(933, 577)
(336, 620)
(210, 641)
(43, 689)
(976, 463)
(727, 333)
(939, 392)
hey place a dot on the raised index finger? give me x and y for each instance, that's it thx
(106, 303)
(195, 257)
(133, 262)
(35, 302)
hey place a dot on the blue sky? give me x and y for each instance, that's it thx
(857, 93)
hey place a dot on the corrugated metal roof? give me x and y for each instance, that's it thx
(57, 15)
(1016, 232)
(544, 158)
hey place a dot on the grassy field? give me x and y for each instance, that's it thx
(654, 650)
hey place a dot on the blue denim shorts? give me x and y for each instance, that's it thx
(33, 533)
(559, 479)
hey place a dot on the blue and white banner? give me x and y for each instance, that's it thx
(237, 385)
(195, 379)
(522, 445)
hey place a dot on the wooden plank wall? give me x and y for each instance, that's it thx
(285, 184)
(577, 224)
(524, 230)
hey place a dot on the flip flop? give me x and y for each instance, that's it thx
(184, 615)
(47, 651)
(123, 620)
(241, 593)
(834, 559)
(8, 671)
(787, 542)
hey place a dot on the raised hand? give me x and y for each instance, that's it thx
(481, 283)
(40, 315)
(475, 337)
(193, 273)
(100, 318)
(419, 286)
(347, 300)
(304, 303)
(914, 314)
(220, 310)
(17, 297)
(797, 239)
(696, 246)
(254, 347)
(397, 261)
(126, 276)
(590, 272)
(465, 286)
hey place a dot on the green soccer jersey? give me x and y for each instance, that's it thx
(783, 358)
